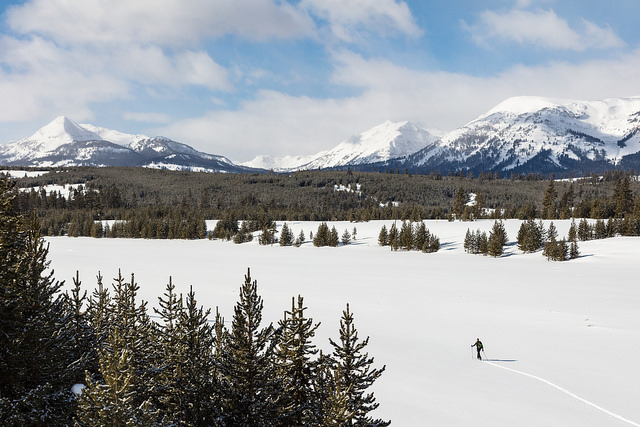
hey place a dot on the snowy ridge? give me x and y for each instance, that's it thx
(386, 141)
(64, 142)
(542, 133)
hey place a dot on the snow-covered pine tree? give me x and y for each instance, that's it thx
(354, 373)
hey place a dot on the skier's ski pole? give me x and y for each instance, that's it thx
(485, 355)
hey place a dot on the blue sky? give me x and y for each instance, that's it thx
(247, 77)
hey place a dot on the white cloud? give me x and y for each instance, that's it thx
(352, 20)
(173, 22)
(543, 29)
(278, 124)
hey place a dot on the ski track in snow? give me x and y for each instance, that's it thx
(564, 390)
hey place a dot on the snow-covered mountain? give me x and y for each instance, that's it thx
(534, 134)
(384, 142)
(64, 142)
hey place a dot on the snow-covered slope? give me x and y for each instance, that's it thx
(563, 337)
(64, 142)
(542, 133)
(383, 142)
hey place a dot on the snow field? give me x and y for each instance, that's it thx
(575, 324)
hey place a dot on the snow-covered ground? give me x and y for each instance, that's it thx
(563, 339)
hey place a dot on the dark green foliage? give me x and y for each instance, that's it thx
(354, 374)
(459, 203)
(152, 203)
(346, 237)
(530, 236)
(411, 237)
(244, 233)
(226, 227)
(322, 235)
(383, 236)
(36, 341)
(585, 231)
(476, 242)
(248, 377)
(286, 236)
(268, 234)
(549, 202)
(298, 402)
(333, 237)
(623, 197)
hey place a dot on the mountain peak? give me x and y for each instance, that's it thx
(62, 130)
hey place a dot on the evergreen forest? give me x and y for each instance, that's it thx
(149, 203)
(106, 359)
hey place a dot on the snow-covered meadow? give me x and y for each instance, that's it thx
(562, 338)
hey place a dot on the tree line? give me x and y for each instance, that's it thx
(155, 201)
(172, 367)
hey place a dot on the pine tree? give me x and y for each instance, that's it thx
(394, 240)
(585, 231)
(248, 377)
(549, 202)
(467, 241)
(406, 236)
(197, 383)
(346, 237)
(113, 403)
(83, 351)
(298, 403)
(623, 197)
(459, 203)
(383, 236)
(322, 235)
(497, 239)
(35, 340)
(333, 237)
(354, 373)
(420, 235)
(286, 236)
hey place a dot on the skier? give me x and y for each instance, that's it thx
(478, 346)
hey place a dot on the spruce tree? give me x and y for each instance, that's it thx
(286, 235)
(354, 373)
(35, 340)
(406, 236)
(383, 236)
(346, 237)
(198, 386)
(248, 381)
(333, 237)
(459, 203)
(332, 399)
(549, 202)
(298, 403)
